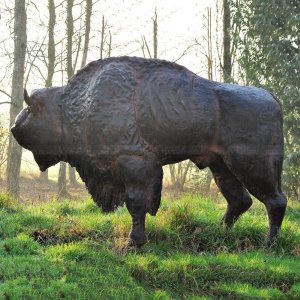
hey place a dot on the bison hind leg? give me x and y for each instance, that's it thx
(237, 197)
(275, 203)
(276, 211)
(263, 181)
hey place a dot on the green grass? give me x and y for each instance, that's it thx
(70, 250)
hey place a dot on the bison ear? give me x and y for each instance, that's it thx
(27, 98)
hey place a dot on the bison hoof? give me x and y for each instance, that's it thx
(273, 236)
(137, 241)
(271, 241)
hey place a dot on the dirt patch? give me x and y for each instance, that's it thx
(32, 190)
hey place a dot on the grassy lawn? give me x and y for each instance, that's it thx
(70, 250)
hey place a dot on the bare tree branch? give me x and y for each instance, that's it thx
(147, 47)
(183, 53)
(34, 58)
(5, 93)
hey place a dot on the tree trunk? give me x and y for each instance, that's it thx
(179, 173)
(226, 42)
(62, 180)
(70, 69)
(89, 7)
(70, 32)
(109, 45)
(14, 150)
(155, 45)
(62, 176)
(209, 46)
(72, 176)
(51, 43)
(102, 37)
(51, 62)
(44, 176)
(208, 180)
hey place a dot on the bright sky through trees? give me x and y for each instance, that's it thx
(179, 23)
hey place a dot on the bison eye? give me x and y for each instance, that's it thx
(31, 110)
(34, 109)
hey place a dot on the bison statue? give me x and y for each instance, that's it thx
(119, 120)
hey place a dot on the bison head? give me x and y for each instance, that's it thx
(38, 126)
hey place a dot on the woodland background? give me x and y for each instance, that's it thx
(43, 43)
(55, 243)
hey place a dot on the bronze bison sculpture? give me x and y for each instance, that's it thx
(119, 120)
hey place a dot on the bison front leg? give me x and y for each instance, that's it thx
(143, 183)
(136, 204)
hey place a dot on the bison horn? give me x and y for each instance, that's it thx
(27, 98)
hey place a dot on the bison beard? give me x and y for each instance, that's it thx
(45, 161)
(105, 194)
(119, 120)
